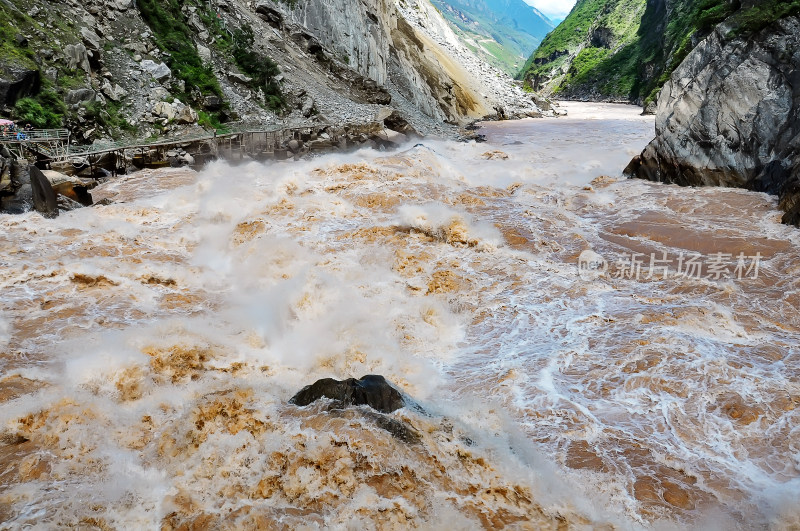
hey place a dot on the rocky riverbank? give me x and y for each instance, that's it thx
(730, 116)
(72, 180)
(113, 70)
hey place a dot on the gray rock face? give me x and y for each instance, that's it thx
(730, 116)
(187, 115)
(113, 92)
(269, 13)
(16, 83)
(204, 53)
(5, 174)
(406, 46)
(159, 71)
(90, 38)
(76, 96)
(164, 109)
(77, 57)
(44, 198)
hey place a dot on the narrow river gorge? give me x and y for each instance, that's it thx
(586, 351)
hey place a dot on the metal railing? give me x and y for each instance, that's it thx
(54, 143)
(33, 135)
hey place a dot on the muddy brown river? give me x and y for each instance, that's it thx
(586, 351)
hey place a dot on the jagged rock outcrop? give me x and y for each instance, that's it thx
(730, 116)
(625, 50)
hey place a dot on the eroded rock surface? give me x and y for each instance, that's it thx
(730, 116)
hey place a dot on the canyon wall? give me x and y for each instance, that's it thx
(730, 116)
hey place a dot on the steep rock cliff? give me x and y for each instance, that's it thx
(730, 116)
(108, 70)
(408, 47)
(593, 32)
(625, 50)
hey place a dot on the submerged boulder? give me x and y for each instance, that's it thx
(371, 390)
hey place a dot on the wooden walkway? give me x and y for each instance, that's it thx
(53, 145)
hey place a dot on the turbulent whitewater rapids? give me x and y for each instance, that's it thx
(150, 347)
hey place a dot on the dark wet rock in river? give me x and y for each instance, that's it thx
(74, 188)
(16, 194)
(371, 390)
(730, 116)
(395, 121)
(44, 198)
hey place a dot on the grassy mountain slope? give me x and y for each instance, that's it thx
(503, 32)
(602, 51)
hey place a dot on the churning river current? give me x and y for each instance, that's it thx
(587, 351)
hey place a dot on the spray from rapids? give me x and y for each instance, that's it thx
(150, 347)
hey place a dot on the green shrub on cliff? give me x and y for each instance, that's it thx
(262, 69)
(573, 41)
(173, 36)
(12, 22)
(45, 111)
(759, 17)
(643, 61)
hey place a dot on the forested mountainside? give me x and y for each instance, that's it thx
(503, 32)
(625, 50)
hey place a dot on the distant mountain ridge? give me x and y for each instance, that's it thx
(503, 32)
(625, 50)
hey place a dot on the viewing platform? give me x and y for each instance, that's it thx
(53, 145)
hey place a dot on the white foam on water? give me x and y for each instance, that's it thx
(161, 337)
